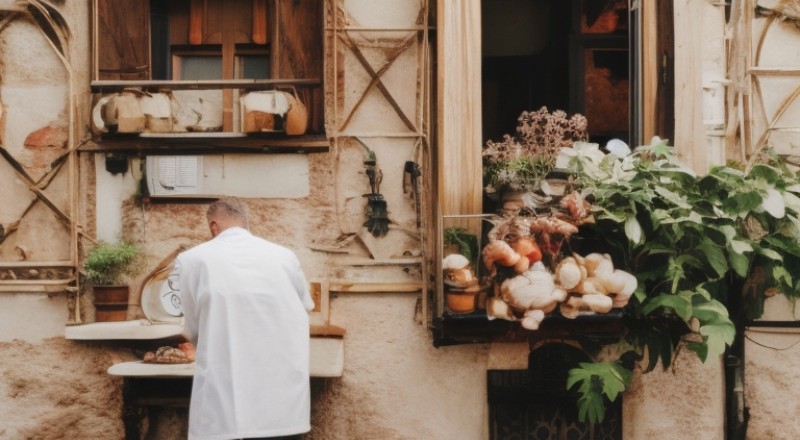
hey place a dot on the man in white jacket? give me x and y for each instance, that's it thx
(245, 302)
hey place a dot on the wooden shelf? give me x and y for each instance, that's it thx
(326, 360)
(246, 84)
(208, 143)
(140, 329)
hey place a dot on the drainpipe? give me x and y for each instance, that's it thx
(736, 411)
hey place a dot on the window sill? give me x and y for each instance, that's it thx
(242, 84)
(204, 142)
(140, 329)
(475, 327)
(326, 359)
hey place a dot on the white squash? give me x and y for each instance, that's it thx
(534, 289)
(532, 319)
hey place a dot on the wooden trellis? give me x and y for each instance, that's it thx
(44, 276)
(753, 122)
(344, 37)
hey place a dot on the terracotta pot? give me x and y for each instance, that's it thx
(111, 303)
(461, 302)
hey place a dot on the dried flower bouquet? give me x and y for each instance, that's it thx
(520, 162)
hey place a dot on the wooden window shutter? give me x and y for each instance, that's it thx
(298, 52)
(460, 168)
(123, 40)
(658, 70)
(260, 32)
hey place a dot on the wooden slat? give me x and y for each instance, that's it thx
(306, 144)
(123, 38)
(459, 103)
(689, 128)
(196, 21)
(376, 80)
(63, 282)
(229, 22)
(260, 32)
(244, 84)
(297, 49)
(327, 331)
(651, 61)
(34, 288)
(344, 286)
(774, 71)
(33, 264)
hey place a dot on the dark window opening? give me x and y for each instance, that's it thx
(567, 55)
(534, 404)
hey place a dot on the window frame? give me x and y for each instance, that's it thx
(459, 143)
(311, 88)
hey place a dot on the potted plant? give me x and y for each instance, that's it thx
(520, 163)
(461, 241)
(459, 265)
(706, 249)
(107, 265)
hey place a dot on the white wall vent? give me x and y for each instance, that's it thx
(174, 175)
(242, 175)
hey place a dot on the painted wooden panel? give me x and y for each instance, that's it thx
(123, 44)
(459, 107)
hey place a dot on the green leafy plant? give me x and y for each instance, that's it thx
(466, 242)
(695, 243)
(108, 263)
(597, 382)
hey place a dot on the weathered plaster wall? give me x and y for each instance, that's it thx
(395, 384)
(686, 401)
(771, 383)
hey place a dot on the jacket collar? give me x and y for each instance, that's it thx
(233, 232)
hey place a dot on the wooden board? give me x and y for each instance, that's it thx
(327, 360)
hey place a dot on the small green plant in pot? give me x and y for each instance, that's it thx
(463, 242)
(107, 265)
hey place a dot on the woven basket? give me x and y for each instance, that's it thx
(296, 121)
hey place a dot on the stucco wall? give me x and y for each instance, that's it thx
(395, 385)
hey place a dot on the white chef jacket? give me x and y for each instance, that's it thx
(245, 302)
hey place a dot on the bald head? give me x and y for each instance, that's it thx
(225, 213)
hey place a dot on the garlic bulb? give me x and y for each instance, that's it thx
(454, 261)
(533, 289)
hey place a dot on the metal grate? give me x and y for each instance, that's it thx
(534, 404)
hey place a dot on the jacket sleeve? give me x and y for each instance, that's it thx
(188, 287)
(301, 284)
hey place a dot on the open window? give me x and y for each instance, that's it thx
(609, 60)
(573, 56)
(213, 51)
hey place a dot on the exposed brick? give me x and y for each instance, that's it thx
(50, 136)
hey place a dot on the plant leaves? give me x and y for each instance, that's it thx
(633, 230)
(710, 311)
(773, 203)
(717, 337)
(679, 305)
(594, 380)
(714, 256)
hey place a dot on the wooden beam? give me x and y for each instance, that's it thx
(459, 123)
(347, 286)
(651, 61)
(33, 264)
(260, 32)
(376, 81)
(196, 21)
(209, 84)
(690, 140)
